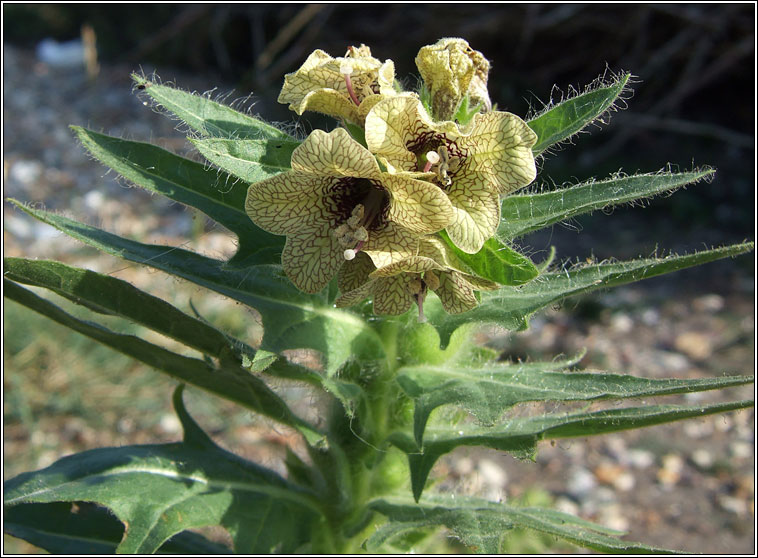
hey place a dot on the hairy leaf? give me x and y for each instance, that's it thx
(510, 307)
(489, 391)
(497, 262)
(519, 436)
(158, 491)
(207, 117)
(215, 193)
(250, 160)
(566, 118)
(524, 213)
(482, 525)
(108, 295)
(83, 528)
(291, 319)
(230, 382)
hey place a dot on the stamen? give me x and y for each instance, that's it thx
(346, 69)
(420, 303)
(432, 158)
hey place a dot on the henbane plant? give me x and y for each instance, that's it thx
(384, 244)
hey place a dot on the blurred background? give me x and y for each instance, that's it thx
(686, 486)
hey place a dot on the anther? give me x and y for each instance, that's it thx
(432, 158)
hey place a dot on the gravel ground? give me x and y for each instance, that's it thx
(688, 485)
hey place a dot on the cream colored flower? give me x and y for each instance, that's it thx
(451, 69)
(491, 156)
(396, 286)
(336, 202)
(345, 87)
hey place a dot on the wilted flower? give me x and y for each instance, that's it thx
(451, 69)
(473, 165)
(345, 87)
(336, 202)
(396, 286)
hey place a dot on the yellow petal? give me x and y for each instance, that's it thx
(392, 295)
(289, 202)
(456, 293)
(419, 206)
(390, 243)
(355, 273)
(500, 146)
(334, 154)
(320, 85)
(310, 259)
(477, 213)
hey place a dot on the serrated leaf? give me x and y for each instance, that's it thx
(215, 193)
(519, 436)
(523, 213)
(496, 262)
(233, 383)
(250, 160)
(158, 491)
(566, 118)
(291, 319)
(82, 528)
(487, 392)
(510, 307)
(208, 117)
(482, 525)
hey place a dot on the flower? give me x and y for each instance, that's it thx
(474, 165)
(345, 87)
(395, 287)
(336, 202)
(451, 69)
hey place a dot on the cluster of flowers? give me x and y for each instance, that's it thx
(367, 201)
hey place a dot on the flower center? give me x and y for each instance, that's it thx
(436, 153)
(361, 208)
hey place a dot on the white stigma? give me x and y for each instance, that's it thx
(433, 157)
(349, 254)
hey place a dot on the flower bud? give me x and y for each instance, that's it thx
(451, 69)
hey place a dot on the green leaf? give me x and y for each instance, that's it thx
(215, 193)
(161, 490)
(82, 528)
(108, 295)
(291, 319)
(489, 391)
(250, 160)
(496, 262)
(524, 213)
(230, 382)
(207, 117)
(511, 306)
(562, 120)
(519, 436)
(482, 525)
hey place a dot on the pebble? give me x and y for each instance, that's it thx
(741, 449)
(710, 303)
(671, 471)
(696, 345)
(702, 458)
(581, 483)
(733, 505)
(640, 458)
(170, 424)
(622, 323)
